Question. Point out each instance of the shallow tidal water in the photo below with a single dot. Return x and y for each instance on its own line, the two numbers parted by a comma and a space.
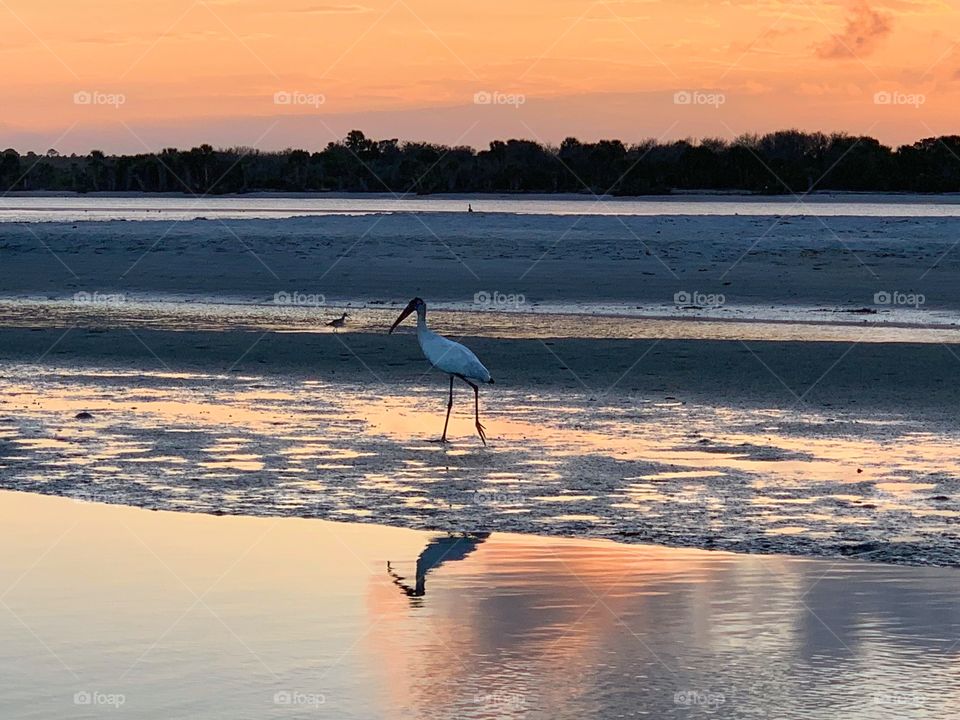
120, 612
64, 208
300, 313
560, 463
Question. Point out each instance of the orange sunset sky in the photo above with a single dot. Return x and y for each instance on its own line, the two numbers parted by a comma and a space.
128, 75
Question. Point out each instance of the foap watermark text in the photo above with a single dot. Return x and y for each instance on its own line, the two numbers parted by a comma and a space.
703, 699
300, 299
296, 97
100, 699
497, 299
485, 97
890, 97
897, 298
95, 97
695, 298
98, 298
501, 701
295, 698
698, 97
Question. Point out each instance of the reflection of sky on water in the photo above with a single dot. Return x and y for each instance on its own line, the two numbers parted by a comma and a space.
760, 480
509, 626
664, 623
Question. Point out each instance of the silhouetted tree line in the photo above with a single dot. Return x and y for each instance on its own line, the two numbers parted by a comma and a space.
781, 162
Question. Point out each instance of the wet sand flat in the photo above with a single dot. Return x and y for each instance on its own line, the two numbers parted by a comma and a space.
807, 448
800, 415
120, 611
751, 260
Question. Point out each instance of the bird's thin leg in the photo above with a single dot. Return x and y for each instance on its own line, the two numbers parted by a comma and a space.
443, 438
476, 405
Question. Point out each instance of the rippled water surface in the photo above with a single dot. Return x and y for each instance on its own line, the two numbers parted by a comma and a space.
657, 471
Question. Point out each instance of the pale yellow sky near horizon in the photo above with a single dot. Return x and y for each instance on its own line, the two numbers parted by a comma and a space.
126, 75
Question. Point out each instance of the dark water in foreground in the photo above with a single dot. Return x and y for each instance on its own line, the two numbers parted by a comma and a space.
117, 612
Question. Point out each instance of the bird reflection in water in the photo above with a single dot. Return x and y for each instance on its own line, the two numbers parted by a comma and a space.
441, 549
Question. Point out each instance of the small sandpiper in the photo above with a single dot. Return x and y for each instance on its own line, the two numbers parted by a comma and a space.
338, 322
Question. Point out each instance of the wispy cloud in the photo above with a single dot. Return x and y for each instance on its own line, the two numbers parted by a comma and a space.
865, 29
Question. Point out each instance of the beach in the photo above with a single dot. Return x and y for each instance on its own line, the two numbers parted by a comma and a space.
113, 611
705, 431
757, 261
188, 366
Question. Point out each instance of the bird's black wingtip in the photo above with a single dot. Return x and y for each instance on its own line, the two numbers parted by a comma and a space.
491, 381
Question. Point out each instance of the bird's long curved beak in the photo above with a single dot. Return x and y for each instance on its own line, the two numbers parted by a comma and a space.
403, 316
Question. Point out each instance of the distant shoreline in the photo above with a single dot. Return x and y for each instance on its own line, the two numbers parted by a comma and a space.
781, 163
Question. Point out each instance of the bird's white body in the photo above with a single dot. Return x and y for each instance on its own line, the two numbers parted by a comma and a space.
449, 356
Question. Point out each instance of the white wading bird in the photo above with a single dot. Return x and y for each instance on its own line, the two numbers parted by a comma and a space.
450, 357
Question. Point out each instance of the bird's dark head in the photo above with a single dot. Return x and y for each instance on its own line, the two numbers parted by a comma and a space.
416, 305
